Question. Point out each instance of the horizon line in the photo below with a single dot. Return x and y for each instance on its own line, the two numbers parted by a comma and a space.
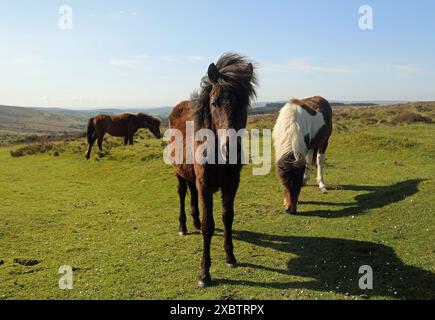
89, 108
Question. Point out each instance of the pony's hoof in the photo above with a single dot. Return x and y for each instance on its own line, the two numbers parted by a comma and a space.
182, 230
202, 284
231, 261
324, 190
197, 226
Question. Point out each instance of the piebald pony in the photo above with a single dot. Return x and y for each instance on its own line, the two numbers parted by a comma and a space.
301, 136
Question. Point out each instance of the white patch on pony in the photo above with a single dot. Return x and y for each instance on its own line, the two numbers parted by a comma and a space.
293, 125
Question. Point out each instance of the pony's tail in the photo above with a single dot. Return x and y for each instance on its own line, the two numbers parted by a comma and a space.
91, 130
298, 143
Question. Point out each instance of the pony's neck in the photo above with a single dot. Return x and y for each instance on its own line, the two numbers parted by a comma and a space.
144, 125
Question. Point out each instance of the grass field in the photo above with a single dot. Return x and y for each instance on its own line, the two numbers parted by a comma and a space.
115, 220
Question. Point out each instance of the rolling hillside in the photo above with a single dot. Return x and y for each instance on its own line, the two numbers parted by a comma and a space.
17, 120
43, 121
55, 121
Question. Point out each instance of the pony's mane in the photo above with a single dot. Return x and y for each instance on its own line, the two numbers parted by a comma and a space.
232, 78
149, 117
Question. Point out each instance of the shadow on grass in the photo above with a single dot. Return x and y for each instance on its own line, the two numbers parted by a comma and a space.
377, 197
332, 265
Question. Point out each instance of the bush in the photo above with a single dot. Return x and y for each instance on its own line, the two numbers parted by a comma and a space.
37, 148
32, 149
409, 118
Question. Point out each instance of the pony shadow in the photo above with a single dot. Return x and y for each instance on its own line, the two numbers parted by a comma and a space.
377, 197
332, 265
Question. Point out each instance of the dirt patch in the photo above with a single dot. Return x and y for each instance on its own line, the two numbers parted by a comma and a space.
370, 121
26, 262
339, 127
367, 115
409, 118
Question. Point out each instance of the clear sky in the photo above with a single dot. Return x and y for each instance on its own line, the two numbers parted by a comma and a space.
147, 53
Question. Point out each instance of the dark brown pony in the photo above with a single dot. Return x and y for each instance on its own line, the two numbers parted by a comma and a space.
222, 103
123, 125
301, 137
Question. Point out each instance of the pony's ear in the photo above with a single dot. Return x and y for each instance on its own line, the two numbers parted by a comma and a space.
213, 73
251, 70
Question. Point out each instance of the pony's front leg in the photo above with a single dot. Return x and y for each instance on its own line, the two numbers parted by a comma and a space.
207, 228
228, 196
320, 178
132, 129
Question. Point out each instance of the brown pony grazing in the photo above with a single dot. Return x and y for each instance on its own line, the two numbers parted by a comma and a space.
123, 125
301, 136
222, 103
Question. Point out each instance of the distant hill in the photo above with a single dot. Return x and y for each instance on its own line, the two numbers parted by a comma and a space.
160, 112
38, 121
17, 120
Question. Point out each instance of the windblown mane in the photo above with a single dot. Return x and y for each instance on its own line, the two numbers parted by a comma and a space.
232, 79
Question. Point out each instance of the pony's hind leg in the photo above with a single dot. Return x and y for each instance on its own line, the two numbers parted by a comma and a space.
100, 143
320, 178
194, 205
309, 161
182, 191
88, 154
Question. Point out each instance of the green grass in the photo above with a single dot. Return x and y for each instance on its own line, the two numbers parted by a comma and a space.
115, 220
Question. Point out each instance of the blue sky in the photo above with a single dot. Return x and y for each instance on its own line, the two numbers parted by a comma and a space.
153, 53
